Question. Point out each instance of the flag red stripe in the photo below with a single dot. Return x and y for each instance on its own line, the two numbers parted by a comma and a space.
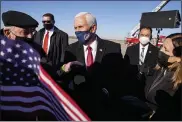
65, 95
62, 102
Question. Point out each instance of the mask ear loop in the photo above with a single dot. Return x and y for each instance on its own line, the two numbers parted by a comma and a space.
91, 32
12, 33
91, 28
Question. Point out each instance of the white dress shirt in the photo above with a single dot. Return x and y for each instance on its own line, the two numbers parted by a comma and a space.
93, 45
50, 34
145, 52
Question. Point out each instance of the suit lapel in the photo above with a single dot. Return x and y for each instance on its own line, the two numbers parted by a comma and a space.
80, 53
100, 50
148, 55
137, 53
53, 40
42, 36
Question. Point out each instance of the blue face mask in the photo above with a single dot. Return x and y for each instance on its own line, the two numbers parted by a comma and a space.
84, 36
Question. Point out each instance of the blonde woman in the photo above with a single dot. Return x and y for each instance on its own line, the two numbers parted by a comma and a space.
163, 89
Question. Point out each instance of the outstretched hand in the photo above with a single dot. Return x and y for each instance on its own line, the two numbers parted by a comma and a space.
69, 65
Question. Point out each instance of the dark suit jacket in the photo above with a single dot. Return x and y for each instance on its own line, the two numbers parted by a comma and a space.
131, 59
58, 44
132, 55
59, 41
87, 84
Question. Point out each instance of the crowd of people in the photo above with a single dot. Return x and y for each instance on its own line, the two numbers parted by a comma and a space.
144, 84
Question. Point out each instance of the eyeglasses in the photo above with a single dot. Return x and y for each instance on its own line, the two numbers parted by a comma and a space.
24, 32
46, 21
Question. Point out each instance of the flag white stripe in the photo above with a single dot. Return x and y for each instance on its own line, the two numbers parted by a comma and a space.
62, 97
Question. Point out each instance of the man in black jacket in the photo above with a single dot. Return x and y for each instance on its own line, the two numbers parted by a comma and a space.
52, 40
140, 59
92, 69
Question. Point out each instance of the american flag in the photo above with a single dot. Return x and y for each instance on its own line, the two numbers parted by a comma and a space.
27, 88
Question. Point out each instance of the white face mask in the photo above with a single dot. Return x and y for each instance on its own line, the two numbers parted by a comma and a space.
144, 40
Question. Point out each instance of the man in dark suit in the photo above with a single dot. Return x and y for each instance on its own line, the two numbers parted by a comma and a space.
52, 40
140, 59
92, 68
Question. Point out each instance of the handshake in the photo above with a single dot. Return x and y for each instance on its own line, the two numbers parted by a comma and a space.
70, 65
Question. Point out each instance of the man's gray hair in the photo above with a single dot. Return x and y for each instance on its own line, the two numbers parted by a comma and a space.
89, 18
8, 28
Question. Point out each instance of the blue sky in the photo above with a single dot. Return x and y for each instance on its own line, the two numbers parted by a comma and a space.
115, 18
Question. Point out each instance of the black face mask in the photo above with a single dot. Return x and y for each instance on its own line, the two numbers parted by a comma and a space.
48, 26
163, 59
28, 40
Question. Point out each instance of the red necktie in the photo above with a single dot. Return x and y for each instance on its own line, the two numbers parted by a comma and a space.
89, 57
45, 46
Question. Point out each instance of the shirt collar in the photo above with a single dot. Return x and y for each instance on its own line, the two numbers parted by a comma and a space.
51, 30
146, 46
93, 45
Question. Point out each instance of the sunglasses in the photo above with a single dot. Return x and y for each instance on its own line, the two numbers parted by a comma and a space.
46, 21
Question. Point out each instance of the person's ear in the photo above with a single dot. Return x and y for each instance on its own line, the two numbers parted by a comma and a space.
94, 28
53, 22
6, 32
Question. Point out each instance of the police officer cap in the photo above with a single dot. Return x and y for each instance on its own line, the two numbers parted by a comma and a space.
18, 19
